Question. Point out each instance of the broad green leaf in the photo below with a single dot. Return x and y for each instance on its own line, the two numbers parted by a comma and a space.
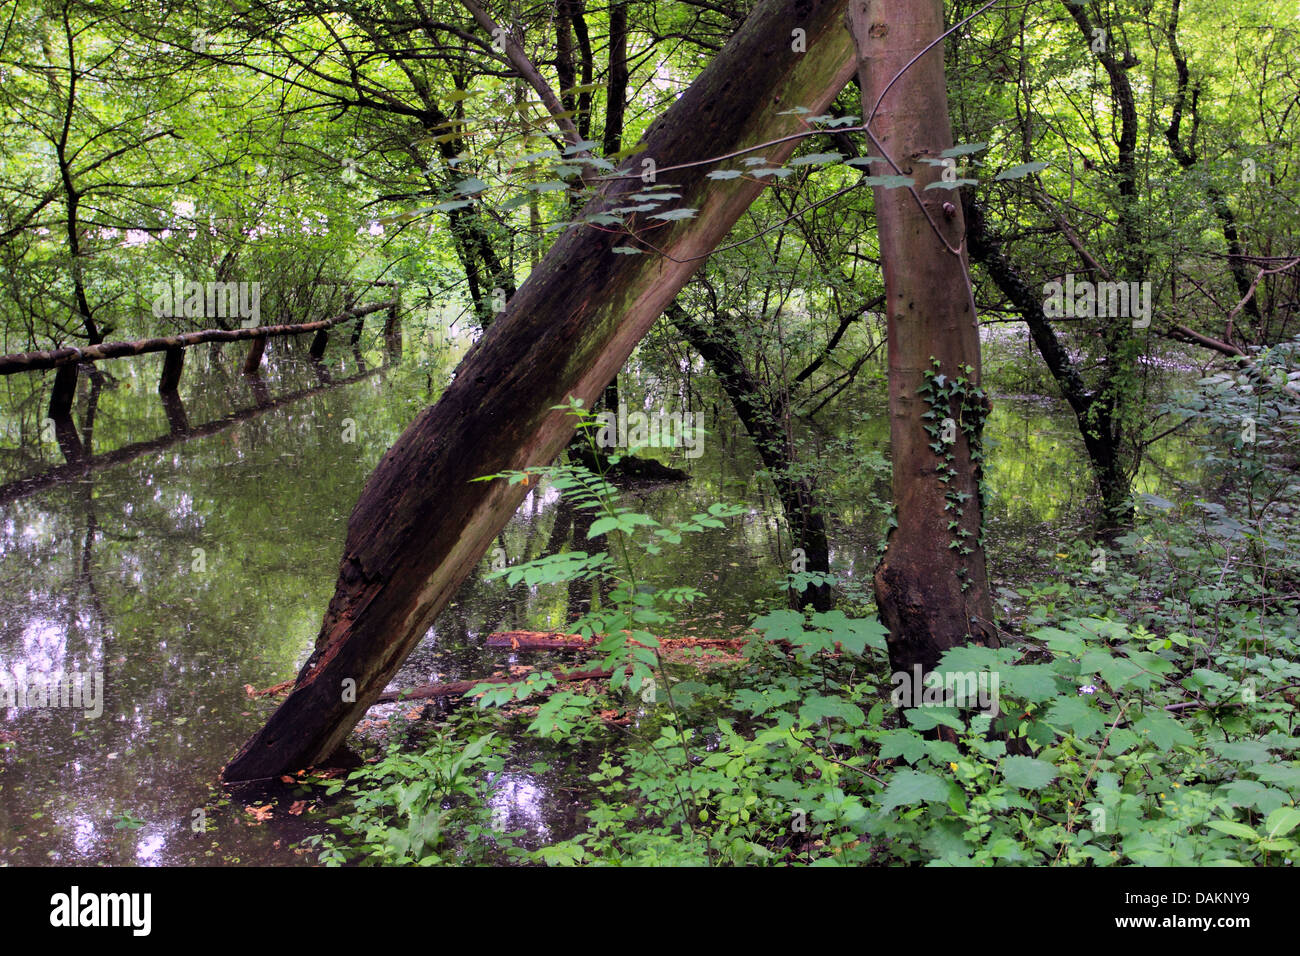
911, 786
1021, 171
963, 150
1233, 828
889, 182
1281, 822
1028, 773
673, 214
813, 159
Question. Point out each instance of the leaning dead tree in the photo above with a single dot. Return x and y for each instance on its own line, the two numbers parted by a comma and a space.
421, 525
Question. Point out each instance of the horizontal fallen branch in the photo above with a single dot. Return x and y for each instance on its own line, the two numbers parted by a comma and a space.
279, 688
554, 641
34, 361
461, 687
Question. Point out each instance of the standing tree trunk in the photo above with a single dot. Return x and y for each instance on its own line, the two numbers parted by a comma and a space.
931, 586
422, 523
801, 501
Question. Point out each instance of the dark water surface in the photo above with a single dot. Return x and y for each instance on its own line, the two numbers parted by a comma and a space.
192, 554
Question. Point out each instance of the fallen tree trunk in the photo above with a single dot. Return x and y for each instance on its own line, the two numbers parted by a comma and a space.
35, 361
86, 465
421, 526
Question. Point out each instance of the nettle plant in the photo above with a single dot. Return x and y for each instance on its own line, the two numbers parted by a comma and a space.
424, 809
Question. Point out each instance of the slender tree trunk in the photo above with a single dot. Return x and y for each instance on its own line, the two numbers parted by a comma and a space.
798, 494
1186, 156
1092, 410
931, 586
423, 523
616, 94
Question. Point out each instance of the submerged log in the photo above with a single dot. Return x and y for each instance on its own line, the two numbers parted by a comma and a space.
422, 523
180, 431
629, 467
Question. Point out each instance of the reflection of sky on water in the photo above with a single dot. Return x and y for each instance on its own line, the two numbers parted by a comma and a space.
519, 802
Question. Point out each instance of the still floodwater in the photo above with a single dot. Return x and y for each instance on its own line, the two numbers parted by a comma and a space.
192, 550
